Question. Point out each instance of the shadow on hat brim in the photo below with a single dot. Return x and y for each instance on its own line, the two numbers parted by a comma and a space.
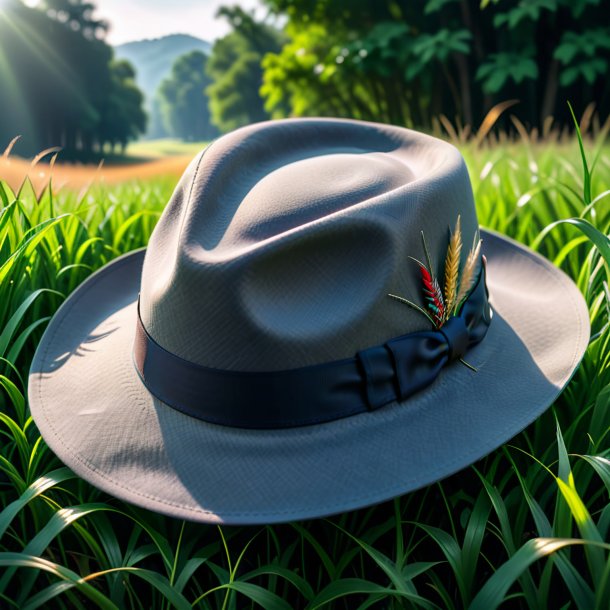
97, 416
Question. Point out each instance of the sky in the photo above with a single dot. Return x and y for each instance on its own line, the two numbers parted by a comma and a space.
138, 19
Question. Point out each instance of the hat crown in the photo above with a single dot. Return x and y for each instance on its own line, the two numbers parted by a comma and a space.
282, 240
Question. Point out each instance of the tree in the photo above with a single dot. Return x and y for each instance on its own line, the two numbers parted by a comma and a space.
183, 100
77, 15
236, 72
59, 83
123, 117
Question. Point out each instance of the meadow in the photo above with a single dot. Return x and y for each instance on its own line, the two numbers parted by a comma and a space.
526, 527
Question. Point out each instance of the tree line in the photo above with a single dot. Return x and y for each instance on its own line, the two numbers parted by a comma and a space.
59, 83
398, 61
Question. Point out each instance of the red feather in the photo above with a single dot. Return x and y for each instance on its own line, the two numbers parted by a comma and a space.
434, 296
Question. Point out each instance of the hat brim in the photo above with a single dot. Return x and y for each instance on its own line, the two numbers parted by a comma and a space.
98, 417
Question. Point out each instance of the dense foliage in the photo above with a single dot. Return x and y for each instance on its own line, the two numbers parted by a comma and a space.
408, 62
184, 103
528, 524
60, 85
235, 70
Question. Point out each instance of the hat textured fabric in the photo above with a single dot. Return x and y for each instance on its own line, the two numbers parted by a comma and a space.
277, 251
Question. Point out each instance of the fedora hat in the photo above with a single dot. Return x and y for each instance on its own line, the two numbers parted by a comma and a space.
317, 324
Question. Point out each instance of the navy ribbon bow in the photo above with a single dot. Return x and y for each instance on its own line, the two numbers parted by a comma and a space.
314, 394
404, 365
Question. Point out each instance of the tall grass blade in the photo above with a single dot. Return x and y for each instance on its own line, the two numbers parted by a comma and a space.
585, 166
20, 341
33, 491
494, 590
600, 416
16, 397
579, 511
266, 599
601, 465
9, 148
58, 522
303, 587
601, 241
342, 588
17, 317
38, 563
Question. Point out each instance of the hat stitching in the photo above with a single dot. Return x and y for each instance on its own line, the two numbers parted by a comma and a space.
86, 464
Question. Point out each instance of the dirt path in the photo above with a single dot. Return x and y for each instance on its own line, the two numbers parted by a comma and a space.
14, 170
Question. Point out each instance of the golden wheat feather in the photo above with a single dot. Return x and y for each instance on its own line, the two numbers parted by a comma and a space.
452, 267
469, 273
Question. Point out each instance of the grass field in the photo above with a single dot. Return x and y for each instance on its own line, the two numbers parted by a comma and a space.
163, 148
526, 527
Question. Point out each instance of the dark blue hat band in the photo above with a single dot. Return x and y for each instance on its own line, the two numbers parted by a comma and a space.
313, 394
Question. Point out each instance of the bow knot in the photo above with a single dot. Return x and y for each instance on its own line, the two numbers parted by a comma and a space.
457, 337
406, 364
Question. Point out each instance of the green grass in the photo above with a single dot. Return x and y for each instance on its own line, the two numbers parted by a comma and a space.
527, 526
162, 148
142, 151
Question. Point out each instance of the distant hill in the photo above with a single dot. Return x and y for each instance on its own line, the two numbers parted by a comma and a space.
153, 58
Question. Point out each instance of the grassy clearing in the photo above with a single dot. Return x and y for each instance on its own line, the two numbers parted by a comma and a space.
528, 525
146, 151
164, 147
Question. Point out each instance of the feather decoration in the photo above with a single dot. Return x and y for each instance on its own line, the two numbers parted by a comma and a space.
426, 252
434, 296
469, 273
452, 267
440, 306
438, 309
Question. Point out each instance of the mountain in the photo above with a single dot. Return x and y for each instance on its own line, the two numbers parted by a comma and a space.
153, 58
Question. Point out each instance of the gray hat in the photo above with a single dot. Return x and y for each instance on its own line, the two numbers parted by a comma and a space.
250, 366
